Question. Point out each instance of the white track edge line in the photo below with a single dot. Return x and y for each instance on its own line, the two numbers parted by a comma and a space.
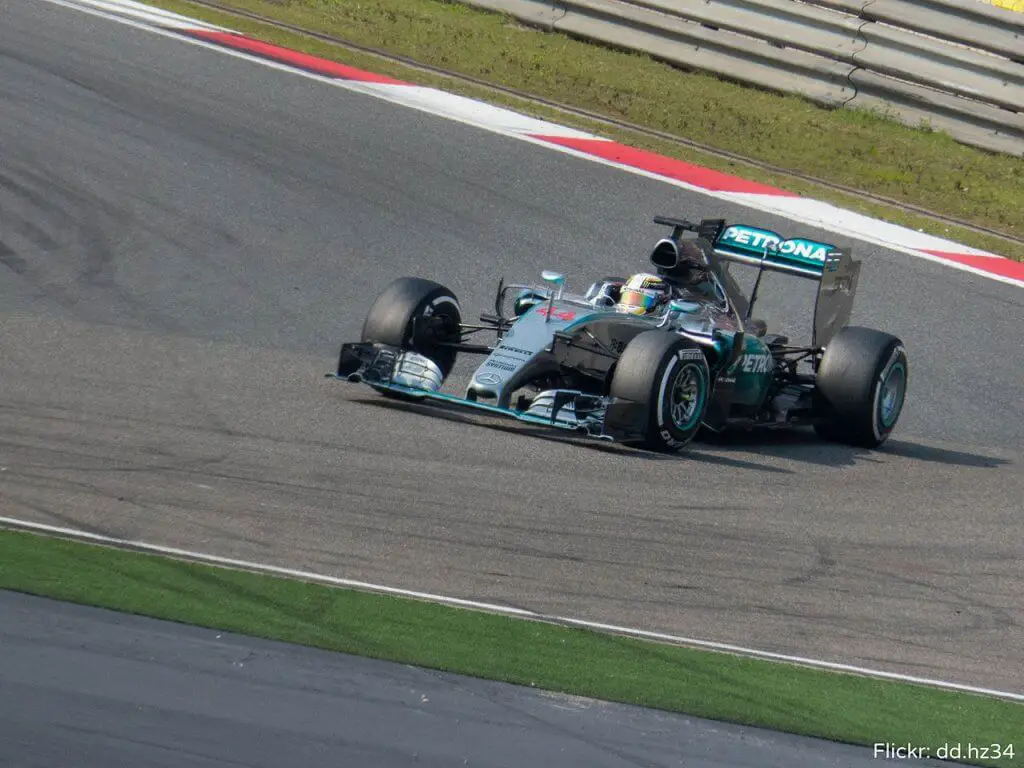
640, 634
361, 87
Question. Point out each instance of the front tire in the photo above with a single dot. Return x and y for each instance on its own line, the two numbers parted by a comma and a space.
861, 387
668, 375
416, 314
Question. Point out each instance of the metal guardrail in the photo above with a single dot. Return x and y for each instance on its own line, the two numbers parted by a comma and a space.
957, 67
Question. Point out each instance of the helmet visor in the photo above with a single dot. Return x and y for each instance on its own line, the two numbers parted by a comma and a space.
637, 300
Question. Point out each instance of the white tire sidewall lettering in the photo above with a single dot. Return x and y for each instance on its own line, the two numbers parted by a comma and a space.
686, 354
666, 376
433, 305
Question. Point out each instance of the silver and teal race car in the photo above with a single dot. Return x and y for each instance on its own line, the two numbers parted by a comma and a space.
698, 360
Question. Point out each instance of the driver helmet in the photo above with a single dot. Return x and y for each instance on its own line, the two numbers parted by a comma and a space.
643, 293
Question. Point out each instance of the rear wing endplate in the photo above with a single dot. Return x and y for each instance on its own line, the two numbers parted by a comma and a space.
836, 291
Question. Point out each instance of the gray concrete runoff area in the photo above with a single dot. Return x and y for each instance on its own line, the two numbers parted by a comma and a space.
92, 688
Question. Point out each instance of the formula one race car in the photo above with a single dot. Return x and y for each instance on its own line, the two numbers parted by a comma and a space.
650, 360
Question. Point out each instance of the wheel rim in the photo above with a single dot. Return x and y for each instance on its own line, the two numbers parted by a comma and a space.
890, 400
686, 396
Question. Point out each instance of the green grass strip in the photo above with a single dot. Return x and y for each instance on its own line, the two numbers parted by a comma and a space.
841, 707
857, 148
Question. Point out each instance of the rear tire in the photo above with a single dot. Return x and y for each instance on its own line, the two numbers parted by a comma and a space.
415, 314
861, 387
669, 375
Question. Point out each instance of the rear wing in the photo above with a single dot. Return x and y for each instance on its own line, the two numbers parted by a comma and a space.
762, 247
833, 268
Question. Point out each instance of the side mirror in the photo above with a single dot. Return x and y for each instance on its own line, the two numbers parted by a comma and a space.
550, 276
677, 307
555, 278
683, 306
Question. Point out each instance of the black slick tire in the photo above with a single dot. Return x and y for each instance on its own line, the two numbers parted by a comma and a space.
415, 314
669, 376
861, 387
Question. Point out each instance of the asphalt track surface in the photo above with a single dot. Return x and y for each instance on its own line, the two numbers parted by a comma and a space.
124, 690
188, 236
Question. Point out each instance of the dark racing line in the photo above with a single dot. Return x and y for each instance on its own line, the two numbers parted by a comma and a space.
652, 359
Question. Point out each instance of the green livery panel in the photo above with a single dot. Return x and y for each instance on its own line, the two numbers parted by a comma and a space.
753, 372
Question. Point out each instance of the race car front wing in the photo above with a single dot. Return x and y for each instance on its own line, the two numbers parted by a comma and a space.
389, 369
